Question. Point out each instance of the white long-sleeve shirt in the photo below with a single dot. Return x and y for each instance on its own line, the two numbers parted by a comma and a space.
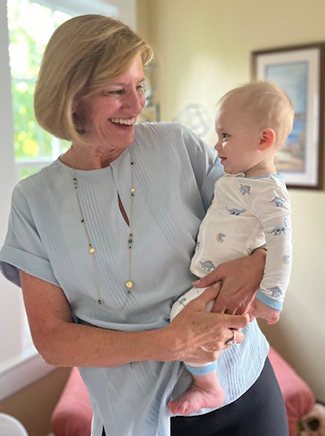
246, 213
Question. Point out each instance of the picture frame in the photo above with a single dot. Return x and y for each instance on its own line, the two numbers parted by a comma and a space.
299, 71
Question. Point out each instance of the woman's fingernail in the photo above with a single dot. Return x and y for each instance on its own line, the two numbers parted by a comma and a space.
196, 282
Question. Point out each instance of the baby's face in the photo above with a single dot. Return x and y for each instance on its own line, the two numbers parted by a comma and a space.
239, 138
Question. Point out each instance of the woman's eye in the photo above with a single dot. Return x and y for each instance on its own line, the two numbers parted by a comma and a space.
117, 92
141, 88
114, 92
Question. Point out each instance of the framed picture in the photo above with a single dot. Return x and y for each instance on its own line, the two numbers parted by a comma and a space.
299, 71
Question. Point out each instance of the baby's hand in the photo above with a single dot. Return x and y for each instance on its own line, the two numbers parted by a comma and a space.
261, 310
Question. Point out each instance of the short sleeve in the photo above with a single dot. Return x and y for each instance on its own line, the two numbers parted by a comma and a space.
205, 163
23, 248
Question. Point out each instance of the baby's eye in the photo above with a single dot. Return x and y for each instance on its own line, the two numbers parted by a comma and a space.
224, 136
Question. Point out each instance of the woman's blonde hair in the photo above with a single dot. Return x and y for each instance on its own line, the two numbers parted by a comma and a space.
82, 55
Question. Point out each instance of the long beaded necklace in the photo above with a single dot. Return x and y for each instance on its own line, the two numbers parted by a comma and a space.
129, 284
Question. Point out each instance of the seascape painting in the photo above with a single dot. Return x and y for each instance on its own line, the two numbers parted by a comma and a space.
292, 78
299, 71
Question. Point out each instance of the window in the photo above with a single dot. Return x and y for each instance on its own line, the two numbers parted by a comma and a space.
25, 26
30, 27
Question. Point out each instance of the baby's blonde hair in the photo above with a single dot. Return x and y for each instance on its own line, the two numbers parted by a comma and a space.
269, 105
83, 54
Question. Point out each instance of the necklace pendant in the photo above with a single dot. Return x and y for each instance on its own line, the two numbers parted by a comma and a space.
100, 301
132, 192
91, 249
129, 285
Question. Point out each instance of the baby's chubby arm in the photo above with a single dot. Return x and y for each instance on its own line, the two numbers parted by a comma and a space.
273, 210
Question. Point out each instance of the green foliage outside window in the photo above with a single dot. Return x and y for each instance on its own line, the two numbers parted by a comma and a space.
30, 27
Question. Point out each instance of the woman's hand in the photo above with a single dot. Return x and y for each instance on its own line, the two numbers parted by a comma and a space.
240, 281
195, 335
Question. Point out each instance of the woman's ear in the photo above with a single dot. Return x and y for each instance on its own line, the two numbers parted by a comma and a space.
267, 139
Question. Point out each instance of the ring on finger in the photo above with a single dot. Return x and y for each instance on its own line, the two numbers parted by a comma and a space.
233, 340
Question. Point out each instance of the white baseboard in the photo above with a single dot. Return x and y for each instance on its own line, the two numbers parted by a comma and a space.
22, 372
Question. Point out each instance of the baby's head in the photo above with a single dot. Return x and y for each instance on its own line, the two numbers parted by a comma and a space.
253, 122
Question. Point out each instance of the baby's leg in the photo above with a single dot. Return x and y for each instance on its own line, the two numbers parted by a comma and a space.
205, 391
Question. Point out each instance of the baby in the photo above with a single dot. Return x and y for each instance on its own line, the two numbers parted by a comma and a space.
251, 207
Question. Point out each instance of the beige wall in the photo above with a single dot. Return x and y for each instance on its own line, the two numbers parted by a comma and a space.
203, 49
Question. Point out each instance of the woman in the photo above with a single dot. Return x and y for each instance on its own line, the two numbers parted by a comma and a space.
100, 242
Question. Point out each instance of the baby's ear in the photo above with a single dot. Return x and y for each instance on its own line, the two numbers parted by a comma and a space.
267, 139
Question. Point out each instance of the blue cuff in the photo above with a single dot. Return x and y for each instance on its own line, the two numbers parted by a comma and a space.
202, 370
274, 304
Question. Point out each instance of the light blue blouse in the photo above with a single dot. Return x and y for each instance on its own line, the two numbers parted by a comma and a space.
175, 174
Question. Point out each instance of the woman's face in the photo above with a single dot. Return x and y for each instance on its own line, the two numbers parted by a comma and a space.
108, 117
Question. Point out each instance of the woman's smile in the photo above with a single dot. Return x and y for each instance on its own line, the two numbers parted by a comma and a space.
127, 122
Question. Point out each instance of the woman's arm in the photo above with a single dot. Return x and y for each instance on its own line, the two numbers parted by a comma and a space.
240, 281
63, 343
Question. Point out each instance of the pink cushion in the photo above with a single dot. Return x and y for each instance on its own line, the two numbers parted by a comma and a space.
297, 395
72, 414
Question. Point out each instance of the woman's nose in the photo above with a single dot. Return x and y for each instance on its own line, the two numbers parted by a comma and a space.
135, 101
